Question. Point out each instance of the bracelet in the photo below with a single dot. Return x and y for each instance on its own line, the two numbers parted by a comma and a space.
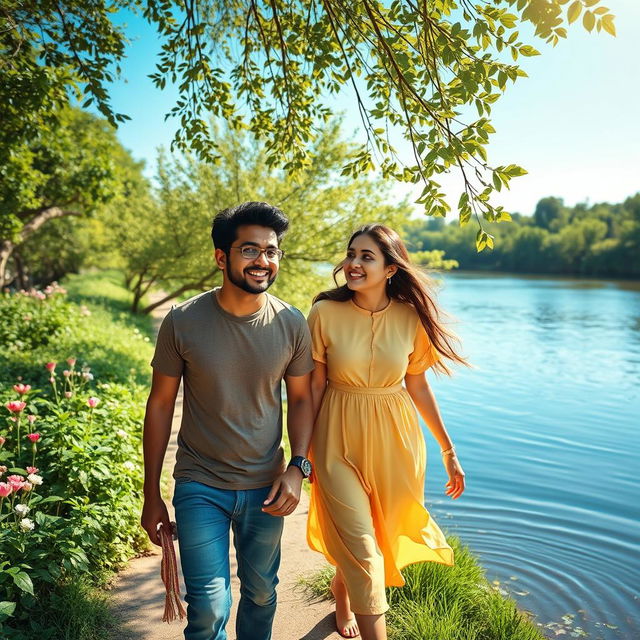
451, 451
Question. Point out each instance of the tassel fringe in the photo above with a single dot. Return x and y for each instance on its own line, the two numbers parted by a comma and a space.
169, 572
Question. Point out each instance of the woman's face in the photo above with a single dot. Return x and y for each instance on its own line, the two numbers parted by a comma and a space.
364, 267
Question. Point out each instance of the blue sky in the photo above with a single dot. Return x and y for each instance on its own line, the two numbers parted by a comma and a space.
573, 124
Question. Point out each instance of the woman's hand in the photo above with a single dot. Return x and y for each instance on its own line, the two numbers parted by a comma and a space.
456, 484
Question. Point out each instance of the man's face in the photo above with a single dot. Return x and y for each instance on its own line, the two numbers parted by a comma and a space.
253, 275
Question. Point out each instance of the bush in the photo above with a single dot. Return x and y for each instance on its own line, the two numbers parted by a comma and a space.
40, 326
32, 319
70, 487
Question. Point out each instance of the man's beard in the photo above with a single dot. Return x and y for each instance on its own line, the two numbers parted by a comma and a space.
241, 283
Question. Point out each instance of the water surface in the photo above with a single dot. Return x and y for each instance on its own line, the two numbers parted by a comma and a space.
546, 427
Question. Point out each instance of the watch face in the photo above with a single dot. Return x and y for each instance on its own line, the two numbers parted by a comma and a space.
305, 466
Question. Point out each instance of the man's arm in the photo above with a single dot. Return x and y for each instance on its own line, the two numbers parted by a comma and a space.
157, 429
299, 428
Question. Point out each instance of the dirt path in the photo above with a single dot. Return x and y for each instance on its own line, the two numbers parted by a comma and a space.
138, 594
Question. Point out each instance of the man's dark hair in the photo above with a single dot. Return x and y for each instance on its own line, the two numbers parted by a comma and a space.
225, 224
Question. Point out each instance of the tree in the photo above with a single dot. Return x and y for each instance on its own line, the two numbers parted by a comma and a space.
167, 244
67, 171
415, 70
549, 211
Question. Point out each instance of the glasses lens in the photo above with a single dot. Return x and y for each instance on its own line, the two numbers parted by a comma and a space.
273, 254
250, 252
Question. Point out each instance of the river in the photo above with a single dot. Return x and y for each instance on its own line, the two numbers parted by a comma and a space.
546, 426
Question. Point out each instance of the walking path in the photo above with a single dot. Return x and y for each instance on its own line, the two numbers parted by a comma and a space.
138, 594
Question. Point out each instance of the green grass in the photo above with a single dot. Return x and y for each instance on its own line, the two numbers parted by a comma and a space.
444, 603
83, 613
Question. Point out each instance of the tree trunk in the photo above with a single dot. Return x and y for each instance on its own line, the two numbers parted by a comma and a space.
21, 275
6, 249
35, 219
174, 294
170, 296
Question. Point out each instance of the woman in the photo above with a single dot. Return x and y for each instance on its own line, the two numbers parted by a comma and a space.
366, 514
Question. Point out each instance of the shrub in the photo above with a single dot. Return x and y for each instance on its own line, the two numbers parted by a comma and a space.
32, 319
45, 325
70, 485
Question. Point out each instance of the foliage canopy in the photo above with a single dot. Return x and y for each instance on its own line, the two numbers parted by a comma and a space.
421, 73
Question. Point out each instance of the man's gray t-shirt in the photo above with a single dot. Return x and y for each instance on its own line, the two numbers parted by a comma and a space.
232, 369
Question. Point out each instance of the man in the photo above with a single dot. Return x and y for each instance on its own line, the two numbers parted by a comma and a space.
232, 346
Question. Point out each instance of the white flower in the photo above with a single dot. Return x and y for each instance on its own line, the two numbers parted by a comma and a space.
87, 376
26, 524
129, 465
121, 433
34, 478
21, 509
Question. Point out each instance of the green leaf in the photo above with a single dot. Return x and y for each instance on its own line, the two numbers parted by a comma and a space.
7, 608
528, 50
588, 20
607, 24
574, 11
23, 582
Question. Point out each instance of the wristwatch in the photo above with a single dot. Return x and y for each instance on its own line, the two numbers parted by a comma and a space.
302, 463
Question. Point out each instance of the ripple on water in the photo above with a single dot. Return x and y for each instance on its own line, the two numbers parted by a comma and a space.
547, 429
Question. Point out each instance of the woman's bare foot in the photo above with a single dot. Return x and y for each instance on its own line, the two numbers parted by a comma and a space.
345, 620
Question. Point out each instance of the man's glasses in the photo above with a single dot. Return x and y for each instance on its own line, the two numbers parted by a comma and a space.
252, 253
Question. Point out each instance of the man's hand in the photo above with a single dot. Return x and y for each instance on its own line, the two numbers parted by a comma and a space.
286, 492
154, 512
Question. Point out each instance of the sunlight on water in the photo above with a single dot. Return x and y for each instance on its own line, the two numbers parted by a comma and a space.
546, 427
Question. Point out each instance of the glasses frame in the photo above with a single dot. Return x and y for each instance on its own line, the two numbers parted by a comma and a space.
279, 252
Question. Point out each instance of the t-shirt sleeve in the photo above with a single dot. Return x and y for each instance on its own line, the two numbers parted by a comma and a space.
167, 359
424, 354
318, 345
301, 361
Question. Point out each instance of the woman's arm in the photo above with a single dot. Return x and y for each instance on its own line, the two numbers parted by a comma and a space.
425, 402
318, 385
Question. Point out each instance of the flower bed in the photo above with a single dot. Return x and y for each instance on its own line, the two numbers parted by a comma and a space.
70, 465
70, 478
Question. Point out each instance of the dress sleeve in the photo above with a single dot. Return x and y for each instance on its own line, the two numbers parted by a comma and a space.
166, 359
318, 344
424, 355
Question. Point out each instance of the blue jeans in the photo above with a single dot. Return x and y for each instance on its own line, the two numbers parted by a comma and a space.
204, 516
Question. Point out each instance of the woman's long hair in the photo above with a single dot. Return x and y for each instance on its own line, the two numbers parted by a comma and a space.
409, 285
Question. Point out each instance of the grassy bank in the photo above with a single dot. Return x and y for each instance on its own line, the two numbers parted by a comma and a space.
445, 603
65, 532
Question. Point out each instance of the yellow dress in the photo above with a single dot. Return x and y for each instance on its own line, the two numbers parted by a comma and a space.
366, 513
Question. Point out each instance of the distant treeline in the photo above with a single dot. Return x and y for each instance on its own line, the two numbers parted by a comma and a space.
601, 240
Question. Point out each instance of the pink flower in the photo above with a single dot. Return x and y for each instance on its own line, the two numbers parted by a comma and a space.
66, 373
2, 441
5, 489
32, 418
93, 402
32, 469
16, 406
22, 388
68, 394
71, 361
51, 366
34, 437
16, 482
26, 486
